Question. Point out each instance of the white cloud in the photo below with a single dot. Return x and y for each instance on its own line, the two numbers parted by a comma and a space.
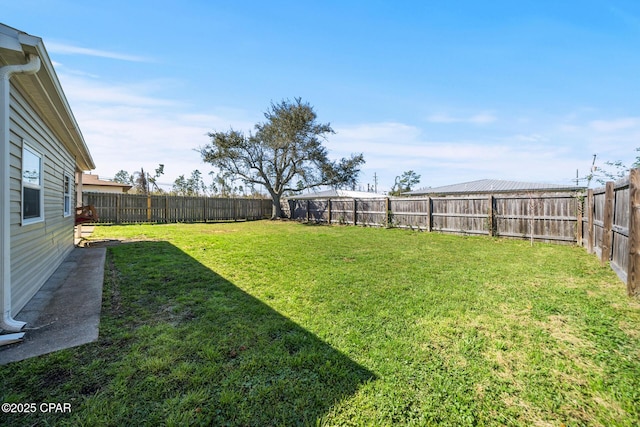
610, 139
66, 49
95, 92
533, 137
135, 125
441, 118
391, 148
482, 118
615, 125
385, 132
476, 119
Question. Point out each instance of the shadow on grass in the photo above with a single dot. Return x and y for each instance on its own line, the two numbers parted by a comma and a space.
193, 348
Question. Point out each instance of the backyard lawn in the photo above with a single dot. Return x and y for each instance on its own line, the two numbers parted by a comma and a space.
279, 324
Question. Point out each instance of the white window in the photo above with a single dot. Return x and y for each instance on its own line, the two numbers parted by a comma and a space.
66, 192
32, 186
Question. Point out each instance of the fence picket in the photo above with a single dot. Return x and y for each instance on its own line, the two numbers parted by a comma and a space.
120, 208
633, 275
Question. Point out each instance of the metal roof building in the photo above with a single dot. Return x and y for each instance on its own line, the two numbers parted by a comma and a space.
336, 194
488, 186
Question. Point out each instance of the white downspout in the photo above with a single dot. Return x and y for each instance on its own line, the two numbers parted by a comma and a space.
7, 322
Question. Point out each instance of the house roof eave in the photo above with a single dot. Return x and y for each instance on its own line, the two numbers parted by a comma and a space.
46, 93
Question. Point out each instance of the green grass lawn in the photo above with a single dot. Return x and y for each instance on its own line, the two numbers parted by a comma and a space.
278, 323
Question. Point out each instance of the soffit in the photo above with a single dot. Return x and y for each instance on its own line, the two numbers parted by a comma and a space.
45, 94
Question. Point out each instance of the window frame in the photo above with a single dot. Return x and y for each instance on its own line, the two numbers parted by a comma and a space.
67, 191
28, 185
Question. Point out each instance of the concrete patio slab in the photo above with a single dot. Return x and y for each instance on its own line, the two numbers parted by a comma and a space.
66, 310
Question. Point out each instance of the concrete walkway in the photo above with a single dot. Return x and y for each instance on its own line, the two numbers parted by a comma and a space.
66, 310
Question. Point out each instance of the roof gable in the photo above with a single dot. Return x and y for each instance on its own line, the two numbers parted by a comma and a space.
44, 91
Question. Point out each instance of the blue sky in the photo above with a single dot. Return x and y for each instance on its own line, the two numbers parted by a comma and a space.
454, 90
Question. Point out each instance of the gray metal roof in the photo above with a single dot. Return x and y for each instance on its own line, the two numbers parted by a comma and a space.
491, 186
337, 194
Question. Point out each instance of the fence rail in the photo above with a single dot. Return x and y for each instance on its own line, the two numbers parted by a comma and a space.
542, 217
121, 208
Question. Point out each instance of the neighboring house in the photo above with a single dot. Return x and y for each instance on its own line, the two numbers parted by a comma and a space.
94, 184
492, 186
42, 157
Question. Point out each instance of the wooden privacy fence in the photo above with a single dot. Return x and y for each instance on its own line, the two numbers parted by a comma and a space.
610, 227
541, 217
121, 208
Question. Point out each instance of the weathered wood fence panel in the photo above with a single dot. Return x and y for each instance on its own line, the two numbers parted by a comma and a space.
620, 230
464, 215
610, 209
598, 220
633, 275
550, 217
372, 212
413, 213
124, 208
342, 211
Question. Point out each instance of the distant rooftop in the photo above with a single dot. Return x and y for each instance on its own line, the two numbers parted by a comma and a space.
337, 194
90, 179
492, 186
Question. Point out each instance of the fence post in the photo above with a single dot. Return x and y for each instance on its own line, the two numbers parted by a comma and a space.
607, 232
204, 209
429, 214
388, 213
579, 225
355, 212
235, 210
166, 209
633, 276
308, 216
118, 207
148, 208
590, 225
329, 210
491, 216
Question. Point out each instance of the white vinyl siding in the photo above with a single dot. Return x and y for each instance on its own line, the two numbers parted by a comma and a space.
37, 248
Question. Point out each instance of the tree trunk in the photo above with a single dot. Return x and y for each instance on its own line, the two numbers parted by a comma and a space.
276, 212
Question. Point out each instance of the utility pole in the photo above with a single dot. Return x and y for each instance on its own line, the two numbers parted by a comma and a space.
592, 172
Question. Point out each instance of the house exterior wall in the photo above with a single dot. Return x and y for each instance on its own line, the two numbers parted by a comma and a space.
38, 248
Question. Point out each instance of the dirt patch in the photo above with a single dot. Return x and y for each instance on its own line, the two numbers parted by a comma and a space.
220, 231
560, 329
